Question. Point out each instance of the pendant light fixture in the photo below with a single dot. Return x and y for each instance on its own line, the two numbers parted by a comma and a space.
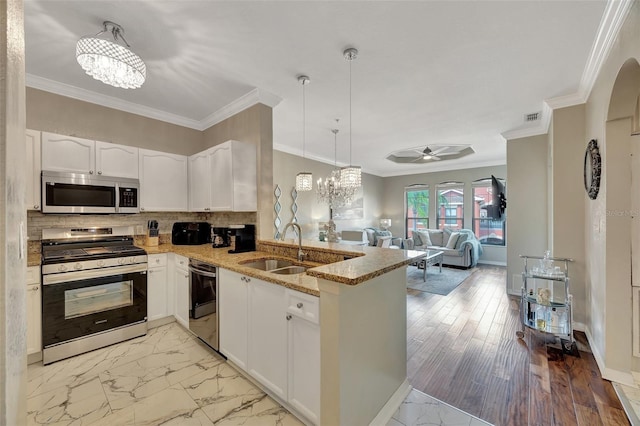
350, 176
109, 62
304, 180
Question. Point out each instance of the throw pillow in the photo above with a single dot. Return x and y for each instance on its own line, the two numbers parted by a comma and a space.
416, 238
371, 236
446, 234
426, 239
453, 239
461, 239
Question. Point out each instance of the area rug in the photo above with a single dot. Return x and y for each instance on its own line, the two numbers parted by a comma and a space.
437, 283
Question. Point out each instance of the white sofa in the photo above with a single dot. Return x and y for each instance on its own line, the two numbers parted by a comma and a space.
463, 253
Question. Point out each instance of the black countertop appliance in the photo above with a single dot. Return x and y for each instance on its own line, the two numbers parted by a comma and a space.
219, 237
242, 238
190, 233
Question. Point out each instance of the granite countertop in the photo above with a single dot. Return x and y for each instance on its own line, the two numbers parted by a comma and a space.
364, 263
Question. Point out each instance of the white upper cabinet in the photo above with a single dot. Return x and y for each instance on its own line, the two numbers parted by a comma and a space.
32, 200
116, 160
70, 154
199, 182
67, 154
163, 181
233, 177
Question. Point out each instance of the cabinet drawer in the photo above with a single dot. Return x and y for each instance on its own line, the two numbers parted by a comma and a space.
182, 262
33, 275
156, 260
303, 305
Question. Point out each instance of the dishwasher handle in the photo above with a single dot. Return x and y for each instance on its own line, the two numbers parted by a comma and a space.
202, 272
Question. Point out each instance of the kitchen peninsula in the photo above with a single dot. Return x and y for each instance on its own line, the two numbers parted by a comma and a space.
362, 319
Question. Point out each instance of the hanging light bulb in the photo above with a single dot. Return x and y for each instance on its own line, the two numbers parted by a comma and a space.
350, 176
304, 180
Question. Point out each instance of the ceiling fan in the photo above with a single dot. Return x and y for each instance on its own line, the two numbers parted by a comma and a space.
428, 154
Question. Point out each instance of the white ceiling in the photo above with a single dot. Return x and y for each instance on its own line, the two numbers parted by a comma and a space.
429, 72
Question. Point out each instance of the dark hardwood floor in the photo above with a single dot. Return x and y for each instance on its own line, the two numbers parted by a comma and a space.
463, 350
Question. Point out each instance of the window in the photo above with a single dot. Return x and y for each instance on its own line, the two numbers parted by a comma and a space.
488, 229
416, 209
450, 212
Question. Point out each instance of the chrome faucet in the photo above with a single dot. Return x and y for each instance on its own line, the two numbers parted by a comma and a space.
295, 226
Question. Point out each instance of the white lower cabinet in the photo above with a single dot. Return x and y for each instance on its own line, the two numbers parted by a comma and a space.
233, 305
304, 355
273, 334
34, 310
157, 287
267, 359
181, 287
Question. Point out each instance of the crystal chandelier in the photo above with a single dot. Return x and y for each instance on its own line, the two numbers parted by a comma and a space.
109, 62
330, 190
304, 180
350, 176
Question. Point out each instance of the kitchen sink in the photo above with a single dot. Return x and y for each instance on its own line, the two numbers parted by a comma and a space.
268, 264
289, 270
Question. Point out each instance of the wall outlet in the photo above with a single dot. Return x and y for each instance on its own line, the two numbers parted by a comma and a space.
139, 230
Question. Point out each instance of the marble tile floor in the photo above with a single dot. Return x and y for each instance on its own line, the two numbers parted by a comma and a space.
169, 377
630, 399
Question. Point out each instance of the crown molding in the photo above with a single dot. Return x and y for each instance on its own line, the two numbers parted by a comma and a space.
444, 168
254, 97
613, 18
108, 101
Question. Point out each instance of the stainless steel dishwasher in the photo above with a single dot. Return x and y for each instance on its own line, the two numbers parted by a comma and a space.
203, 302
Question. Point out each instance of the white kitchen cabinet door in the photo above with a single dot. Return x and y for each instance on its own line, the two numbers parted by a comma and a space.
181, 310
199, 182
233, 304
34, 167
163, 181
157, 283
233, 177
221, 178
116, 160
268, 335
34, 310
304, 367
67, 154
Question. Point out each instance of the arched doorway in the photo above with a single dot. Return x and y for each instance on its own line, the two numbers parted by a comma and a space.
621, 178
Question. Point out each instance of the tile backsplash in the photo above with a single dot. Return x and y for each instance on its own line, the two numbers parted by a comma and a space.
37, 221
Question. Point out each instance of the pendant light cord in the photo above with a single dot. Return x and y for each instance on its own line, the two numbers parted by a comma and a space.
350, 116
304, 122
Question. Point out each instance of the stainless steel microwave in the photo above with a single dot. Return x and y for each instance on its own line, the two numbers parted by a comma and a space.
81, 193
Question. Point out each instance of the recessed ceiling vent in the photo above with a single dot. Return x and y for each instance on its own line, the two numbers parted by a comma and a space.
431, 153
534, 116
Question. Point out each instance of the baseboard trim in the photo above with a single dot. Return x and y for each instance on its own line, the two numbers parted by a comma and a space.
626, 404
608, 373
492, 262
578, 326
392, 405
161, 321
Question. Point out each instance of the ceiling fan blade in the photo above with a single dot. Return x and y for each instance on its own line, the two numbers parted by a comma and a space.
438, 151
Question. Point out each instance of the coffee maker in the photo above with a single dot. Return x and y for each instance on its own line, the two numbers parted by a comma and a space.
219, 237
242, 238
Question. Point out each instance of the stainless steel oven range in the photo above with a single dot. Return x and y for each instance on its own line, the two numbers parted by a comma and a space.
94, 290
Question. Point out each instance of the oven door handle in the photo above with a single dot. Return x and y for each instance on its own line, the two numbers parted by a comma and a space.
92, 273
201, 272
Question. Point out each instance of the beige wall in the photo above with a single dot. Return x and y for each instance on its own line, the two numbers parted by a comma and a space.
310, 212
393, 204
13, 346
608, 294
66, 116
255, 125
526, 204
568, 198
